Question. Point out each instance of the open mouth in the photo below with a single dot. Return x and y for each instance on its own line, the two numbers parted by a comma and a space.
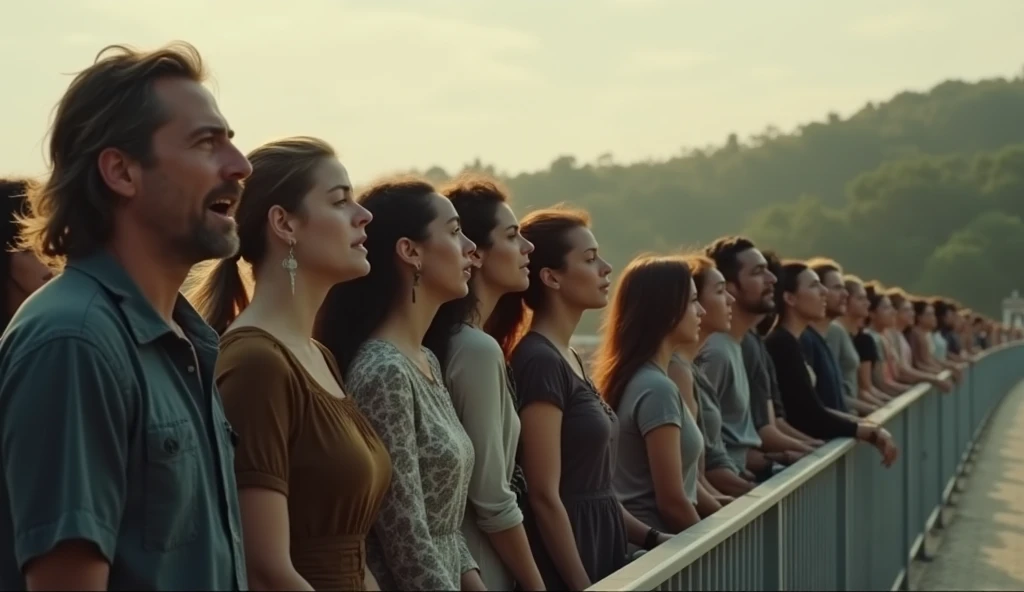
223, 206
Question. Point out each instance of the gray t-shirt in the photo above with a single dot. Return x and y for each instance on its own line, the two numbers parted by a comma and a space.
651, 400
709, 419
841, 344
721, 360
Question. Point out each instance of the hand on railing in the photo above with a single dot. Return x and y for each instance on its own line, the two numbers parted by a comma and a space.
944, 385
882, 440
786, 458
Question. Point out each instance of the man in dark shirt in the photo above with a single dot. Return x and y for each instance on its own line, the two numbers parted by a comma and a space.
116, 454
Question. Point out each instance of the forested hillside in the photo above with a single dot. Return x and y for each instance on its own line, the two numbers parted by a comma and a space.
926, 189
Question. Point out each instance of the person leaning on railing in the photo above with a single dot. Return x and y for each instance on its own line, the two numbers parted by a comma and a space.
716, 465
882, 315
654, 311
905, 369
799, 300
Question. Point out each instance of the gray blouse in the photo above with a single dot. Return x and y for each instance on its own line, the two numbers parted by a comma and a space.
481, 393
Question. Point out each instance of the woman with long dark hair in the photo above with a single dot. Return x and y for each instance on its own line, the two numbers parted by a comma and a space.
22, 271
800, 298
654, 311
578, 530
482, 391
310, 469
374, 325
720, 476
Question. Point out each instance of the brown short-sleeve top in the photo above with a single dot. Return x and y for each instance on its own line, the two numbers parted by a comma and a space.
317, 449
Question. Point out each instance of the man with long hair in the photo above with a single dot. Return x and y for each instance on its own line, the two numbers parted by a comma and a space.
117, 457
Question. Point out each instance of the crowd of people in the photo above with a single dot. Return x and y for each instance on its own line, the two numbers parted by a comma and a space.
378, 391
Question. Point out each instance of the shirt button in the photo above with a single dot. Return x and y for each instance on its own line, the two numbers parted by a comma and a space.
191, 369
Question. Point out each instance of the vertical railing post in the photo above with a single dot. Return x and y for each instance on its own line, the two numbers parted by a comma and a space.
772, 544
907, 474
842, 533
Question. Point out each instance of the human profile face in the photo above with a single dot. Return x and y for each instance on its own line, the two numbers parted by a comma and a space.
330, 227
836, 295
189, 192
505, 264
716, 302
447, 260
905, 314
885, 313
583, 281
688, 329
809, 301
857, 305
754, 290
927, 319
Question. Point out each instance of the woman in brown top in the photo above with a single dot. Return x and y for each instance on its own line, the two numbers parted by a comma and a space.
311, 471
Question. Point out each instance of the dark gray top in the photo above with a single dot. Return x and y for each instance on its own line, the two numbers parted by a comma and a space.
764, 386
588, 455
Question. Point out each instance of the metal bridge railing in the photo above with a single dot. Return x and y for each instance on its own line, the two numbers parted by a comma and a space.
837, 519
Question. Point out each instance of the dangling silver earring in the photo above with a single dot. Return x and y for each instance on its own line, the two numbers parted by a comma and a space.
290, 264
415, 282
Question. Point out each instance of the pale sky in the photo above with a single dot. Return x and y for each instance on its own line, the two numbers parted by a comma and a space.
396, 84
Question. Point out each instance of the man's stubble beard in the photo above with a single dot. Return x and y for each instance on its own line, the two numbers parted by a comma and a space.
204, 243
198, 242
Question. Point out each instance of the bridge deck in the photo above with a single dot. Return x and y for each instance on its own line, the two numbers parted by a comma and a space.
983, 547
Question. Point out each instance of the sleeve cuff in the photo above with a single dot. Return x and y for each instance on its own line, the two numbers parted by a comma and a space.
504, 520
75, 525
246, 479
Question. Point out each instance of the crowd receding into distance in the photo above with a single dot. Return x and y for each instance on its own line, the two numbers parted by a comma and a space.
375, 389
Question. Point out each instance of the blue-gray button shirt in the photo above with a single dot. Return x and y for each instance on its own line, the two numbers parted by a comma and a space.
112, 431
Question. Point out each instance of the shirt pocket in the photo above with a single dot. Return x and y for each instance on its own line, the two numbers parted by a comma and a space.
172, 485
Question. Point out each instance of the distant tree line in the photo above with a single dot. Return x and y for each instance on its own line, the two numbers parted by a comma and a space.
925, 191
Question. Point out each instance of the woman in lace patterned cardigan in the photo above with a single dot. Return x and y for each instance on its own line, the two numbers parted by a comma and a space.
375, 325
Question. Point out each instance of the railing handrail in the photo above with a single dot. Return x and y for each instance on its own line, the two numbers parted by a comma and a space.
659, 564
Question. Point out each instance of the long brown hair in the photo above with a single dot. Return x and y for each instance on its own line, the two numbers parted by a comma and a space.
547, 229
111, 104
282, 175
650, 300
